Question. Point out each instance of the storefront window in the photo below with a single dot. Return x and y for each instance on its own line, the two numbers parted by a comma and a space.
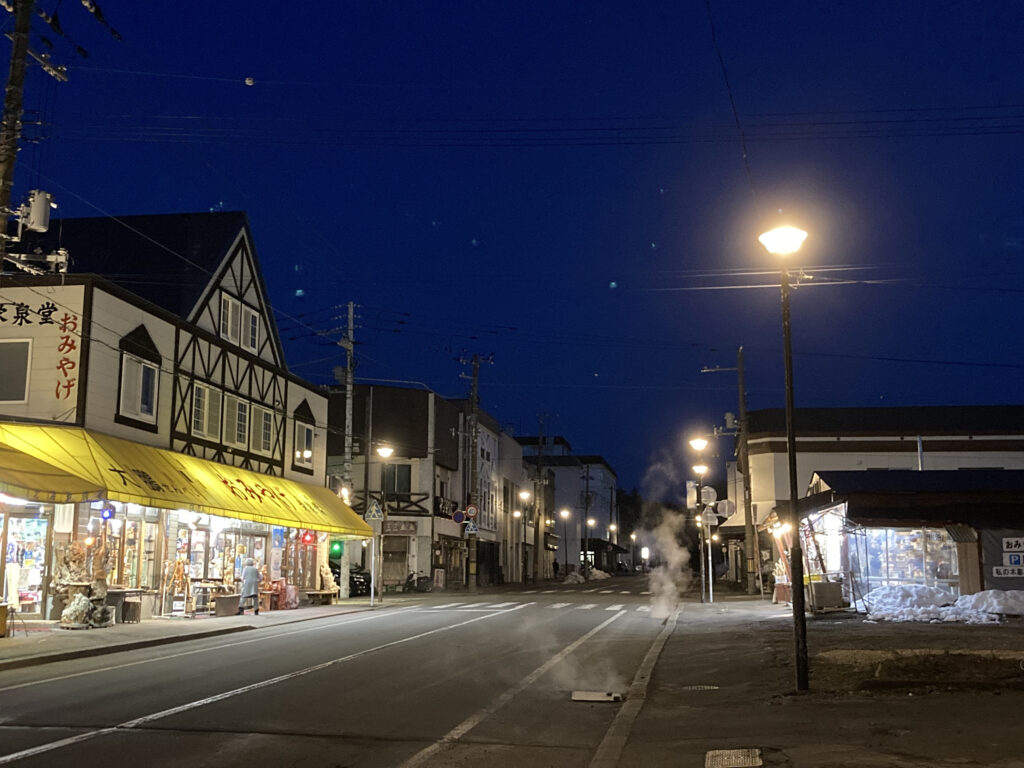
25, 563
891, 556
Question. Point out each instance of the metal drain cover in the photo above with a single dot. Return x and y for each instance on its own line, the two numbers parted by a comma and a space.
596, 696
733, 758
700, 687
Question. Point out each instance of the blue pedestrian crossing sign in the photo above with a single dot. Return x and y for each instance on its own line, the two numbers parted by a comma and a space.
471, 527
374, 512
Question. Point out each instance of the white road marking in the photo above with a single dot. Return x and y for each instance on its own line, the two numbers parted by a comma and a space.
591, 590
607, 591
145, 719
586, 606
625, 592
529, 591
445, 605
502, 605
261, 638
549, 591
614, 608
645, 593
644, 608
474, 720
559, 605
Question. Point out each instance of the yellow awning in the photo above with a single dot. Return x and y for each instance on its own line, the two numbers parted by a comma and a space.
63, 465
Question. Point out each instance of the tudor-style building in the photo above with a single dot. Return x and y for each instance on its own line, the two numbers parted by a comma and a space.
160, 343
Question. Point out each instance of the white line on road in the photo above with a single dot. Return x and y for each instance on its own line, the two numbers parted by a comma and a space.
614, 608
474, 720
232, 644
559, 605
128, 724
644, 608
529, 591
591, 590
502, 605
607, 591
586, 606
445, 605
625, 592
549, 591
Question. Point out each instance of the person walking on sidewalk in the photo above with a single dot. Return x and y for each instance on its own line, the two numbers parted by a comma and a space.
250, 586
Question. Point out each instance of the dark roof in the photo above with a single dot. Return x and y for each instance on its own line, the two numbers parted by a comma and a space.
168, 259
975, 481
910, 420
534, 440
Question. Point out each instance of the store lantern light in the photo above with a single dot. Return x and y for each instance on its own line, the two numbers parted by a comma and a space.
89, 541
308, 537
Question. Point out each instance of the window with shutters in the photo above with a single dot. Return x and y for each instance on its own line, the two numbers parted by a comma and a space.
250, 329
139, 384
230, 318
263, 430
206, 407
236, 422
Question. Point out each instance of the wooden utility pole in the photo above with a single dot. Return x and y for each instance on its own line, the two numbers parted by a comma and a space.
10, 123
474, 467
348, 344
750, 537
539, 523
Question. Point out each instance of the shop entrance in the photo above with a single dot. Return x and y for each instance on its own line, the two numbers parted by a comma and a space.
26, 542
396, 559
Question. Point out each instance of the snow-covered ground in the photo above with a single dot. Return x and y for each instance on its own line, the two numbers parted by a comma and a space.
920, 603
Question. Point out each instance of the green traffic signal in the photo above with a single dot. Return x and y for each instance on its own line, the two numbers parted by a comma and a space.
337, 547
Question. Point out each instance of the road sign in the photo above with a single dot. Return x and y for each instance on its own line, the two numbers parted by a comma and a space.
471, 527
471, 511
459, 516
375, 512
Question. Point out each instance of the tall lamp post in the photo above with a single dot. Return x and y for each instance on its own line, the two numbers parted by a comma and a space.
784, 241
612, 528
700, 470
632, 552
591, 522
564, 514
384, 451
524, 496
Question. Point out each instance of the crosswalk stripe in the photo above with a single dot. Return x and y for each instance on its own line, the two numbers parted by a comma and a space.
549, 591
502, 605
529, 591
614, 608
625, 592
645, 593
586, 606
446, 605
591, 590
644, 608
607, 591
560, 605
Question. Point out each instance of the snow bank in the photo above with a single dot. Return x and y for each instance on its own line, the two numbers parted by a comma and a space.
920, 603
598, 575
574, 578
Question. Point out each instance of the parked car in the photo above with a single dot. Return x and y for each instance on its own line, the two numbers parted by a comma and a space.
358, 579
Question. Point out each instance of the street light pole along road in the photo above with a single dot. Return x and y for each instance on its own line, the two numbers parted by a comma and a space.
784, 241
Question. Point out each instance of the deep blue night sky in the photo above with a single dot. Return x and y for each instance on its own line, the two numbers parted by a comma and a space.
563, 185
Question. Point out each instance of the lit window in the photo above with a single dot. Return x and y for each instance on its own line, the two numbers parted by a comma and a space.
139, 381
303, 444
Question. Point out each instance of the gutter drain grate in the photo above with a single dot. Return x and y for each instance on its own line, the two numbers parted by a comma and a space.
700, 687
733, 758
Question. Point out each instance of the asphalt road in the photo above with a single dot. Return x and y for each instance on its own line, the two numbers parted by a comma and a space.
446, 680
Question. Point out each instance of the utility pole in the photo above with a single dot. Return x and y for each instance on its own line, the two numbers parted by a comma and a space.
10, 124
750, 537
348, 344
474, 466
540, 522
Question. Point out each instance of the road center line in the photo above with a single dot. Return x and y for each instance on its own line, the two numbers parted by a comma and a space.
474, 720
139, 721
232, 644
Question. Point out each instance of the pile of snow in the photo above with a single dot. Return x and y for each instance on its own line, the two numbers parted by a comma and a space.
919, 603
598, 575
574, 578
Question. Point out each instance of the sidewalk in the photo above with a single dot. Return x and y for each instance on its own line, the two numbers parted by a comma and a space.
42, 642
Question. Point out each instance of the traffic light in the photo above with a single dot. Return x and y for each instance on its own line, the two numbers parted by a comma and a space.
337, 547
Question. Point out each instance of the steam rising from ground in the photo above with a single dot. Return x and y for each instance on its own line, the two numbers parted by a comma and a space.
664, 535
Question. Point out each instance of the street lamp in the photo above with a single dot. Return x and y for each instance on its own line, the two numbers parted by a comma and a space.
384, 451
564, 514
783, 241
632, 552
524, 496
700, 470
591, 522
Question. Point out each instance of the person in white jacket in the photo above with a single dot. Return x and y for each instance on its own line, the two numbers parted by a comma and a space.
250, 587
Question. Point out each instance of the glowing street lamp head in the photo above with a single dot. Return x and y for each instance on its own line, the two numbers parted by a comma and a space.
385, 451
517, 514
613, 527
698, 444
524, 495
700, 469
632, 537
591, 522
564, 513
782, 241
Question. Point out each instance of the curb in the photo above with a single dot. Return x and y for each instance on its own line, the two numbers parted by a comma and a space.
102, 650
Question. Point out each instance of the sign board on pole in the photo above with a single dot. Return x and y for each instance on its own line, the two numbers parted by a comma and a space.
471, 511
374, 512
471, 527
459, 516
